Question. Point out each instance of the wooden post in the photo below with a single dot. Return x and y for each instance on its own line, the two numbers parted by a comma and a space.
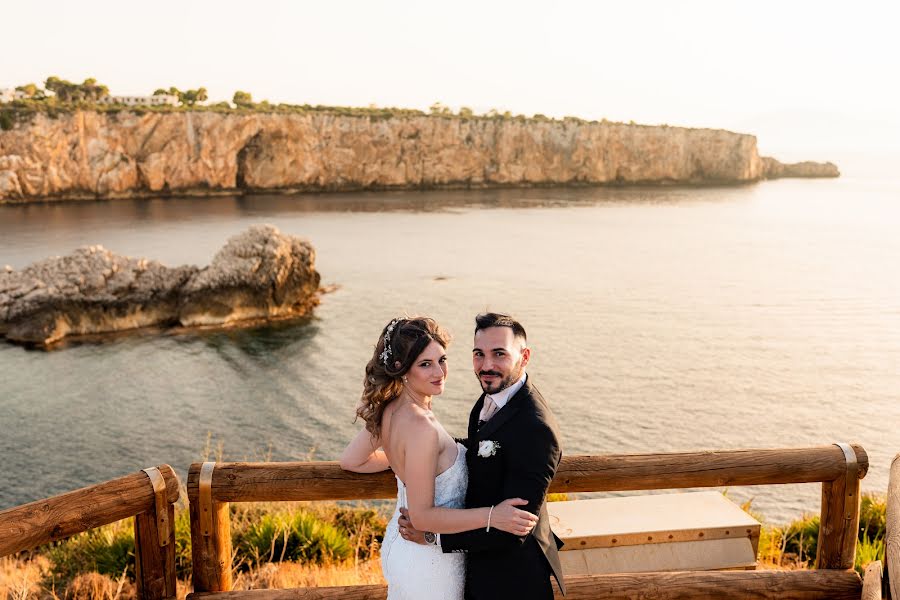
154, 564
839, 522
211, 551
872, 582
892, 537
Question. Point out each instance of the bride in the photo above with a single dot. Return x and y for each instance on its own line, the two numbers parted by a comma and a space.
408, 368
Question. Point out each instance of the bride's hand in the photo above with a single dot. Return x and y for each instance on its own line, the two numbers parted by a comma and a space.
506, 517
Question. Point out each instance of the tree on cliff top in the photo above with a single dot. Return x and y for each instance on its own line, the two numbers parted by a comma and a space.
66, 91
31, 90
186, 97
172, 91
242, 99
438, 108
191, 97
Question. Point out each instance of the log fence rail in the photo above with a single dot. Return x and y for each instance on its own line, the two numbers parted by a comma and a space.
148, 495
839, 467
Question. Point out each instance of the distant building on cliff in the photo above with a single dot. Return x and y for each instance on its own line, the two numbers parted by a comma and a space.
155, 100
10, 94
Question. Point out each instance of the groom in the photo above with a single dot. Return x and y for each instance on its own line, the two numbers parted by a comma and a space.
513, 452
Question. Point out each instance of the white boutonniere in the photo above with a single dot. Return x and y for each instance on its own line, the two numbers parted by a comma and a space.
488, 448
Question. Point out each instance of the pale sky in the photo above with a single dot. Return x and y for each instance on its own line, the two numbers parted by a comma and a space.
803, 76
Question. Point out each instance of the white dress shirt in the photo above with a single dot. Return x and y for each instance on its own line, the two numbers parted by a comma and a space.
503, 396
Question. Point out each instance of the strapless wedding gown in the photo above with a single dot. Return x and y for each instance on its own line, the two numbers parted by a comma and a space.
423, 572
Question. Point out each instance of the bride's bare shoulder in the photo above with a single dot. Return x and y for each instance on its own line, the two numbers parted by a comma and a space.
412, 421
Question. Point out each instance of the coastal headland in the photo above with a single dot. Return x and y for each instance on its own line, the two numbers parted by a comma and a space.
90, 154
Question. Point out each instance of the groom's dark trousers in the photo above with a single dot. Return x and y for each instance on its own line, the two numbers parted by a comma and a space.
526, 443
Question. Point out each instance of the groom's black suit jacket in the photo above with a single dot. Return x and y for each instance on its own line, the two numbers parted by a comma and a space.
500, 564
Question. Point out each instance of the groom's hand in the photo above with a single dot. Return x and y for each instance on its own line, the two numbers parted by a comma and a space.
407, 531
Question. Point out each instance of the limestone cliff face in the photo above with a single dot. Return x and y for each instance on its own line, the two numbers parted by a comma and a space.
105, 155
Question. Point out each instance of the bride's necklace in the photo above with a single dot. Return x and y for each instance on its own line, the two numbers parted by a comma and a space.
409, 399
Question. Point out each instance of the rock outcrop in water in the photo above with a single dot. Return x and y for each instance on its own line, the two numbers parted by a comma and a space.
774, 169
109, 155
259, 274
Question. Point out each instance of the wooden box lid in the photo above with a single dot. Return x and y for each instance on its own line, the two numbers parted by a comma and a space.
649, 519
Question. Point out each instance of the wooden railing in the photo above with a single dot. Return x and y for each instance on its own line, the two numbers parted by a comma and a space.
147, 495
212, 486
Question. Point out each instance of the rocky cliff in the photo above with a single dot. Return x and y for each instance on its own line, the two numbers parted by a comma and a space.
108, 155
260, 274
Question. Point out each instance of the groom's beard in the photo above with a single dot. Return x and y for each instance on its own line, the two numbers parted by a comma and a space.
500, 384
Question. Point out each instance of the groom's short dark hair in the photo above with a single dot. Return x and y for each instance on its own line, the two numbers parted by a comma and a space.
485, 320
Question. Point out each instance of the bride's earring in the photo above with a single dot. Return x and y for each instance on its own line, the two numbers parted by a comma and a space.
405, 380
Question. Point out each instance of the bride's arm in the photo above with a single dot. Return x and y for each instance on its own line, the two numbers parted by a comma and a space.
420, 466
364, 454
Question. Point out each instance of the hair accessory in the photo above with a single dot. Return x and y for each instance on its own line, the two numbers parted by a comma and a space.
386, 353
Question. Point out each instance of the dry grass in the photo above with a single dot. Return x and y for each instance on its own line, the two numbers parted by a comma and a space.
22, 580
28, 579
94, 586
293, 575
61, 573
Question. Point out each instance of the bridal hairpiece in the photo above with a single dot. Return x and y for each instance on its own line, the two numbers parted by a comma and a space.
386, 353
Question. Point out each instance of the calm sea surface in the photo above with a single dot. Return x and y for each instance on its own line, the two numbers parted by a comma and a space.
661, 319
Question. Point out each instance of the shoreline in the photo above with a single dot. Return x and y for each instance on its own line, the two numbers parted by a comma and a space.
328, 191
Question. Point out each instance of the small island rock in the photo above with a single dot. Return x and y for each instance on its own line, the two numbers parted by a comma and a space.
259, 274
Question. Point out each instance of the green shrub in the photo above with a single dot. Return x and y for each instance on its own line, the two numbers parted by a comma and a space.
364, 527
53, 106
868, 551
872, 515
298, 536
262, 541
183, 559
801, 538
108, 550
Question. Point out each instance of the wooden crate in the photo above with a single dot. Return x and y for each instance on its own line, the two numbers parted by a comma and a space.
663, 532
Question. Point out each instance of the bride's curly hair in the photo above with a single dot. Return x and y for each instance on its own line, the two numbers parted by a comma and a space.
406, 339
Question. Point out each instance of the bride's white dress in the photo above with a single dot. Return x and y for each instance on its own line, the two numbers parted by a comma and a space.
423, 572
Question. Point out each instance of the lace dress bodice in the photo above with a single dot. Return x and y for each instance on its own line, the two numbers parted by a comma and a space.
423, 572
